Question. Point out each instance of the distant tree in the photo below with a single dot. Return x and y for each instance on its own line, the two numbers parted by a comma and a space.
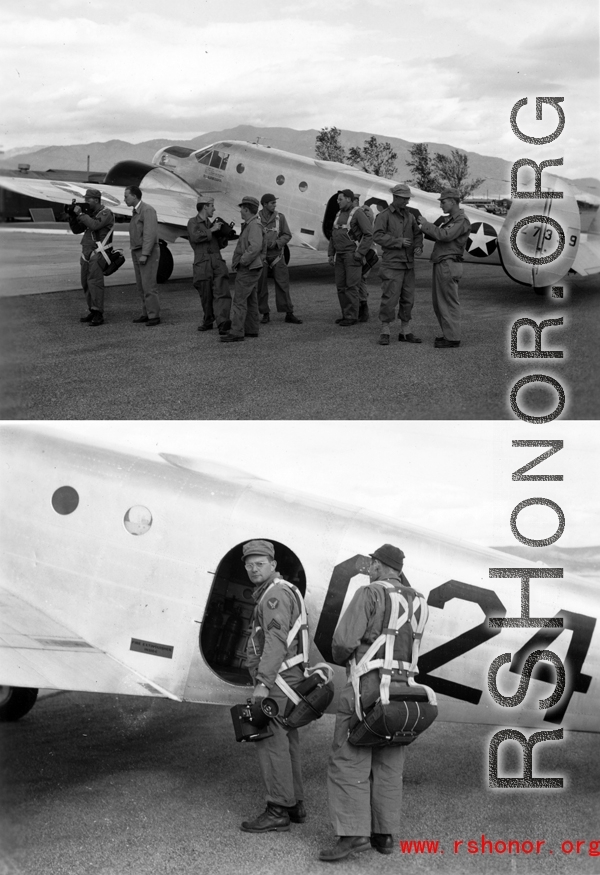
453, 170
374, 157
423, 174
327, 145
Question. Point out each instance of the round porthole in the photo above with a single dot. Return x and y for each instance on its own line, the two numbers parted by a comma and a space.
137, 520
303, 186
240, 168
65, 500
280, 179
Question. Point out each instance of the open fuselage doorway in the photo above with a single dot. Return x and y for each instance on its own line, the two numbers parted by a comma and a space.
227, 619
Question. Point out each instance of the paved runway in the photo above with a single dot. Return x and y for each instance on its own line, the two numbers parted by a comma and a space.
106, 785
56, 368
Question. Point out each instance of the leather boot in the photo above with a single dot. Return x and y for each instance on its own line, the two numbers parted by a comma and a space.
382, 842
297, 812
275, 818
345, 846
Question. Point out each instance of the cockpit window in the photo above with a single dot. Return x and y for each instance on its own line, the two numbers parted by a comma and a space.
178, 151
213, 158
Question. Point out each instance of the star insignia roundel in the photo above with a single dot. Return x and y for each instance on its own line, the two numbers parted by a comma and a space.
482, 241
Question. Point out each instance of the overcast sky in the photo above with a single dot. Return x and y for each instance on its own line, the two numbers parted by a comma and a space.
451, 477
76, 71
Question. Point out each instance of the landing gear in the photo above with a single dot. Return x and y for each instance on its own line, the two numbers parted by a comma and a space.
165, 263
15, 702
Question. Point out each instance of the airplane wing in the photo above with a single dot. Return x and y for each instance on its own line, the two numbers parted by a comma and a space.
172, 198
38, 651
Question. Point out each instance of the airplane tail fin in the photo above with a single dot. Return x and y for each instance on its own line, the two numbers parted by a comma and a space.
538, 228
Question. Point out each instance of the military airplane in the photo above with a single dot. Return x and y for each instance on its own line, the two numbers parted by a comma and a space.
307, 190
121, 573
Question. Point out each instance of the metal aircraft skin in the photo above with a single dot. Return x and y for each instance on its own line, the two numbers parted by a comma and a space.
307, 190
121, 573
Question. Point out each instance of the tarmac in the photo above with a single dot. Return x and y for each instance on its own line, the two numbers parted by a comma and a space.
108, 785
56, 368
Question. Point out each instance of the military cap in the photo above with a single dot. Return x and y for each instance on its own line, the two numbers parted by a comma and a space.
258, 548
267, 198
204, 199
401, 190
347, 192
93, 192
450, 192
390, 556
247, 199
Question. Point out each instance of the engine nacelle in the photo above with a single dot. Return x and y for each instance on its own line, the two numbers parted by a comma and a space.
128, 173
546, 233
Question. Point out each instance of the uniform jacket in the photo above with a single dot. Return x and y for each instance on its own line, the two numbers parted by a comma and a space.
277, 232
275, 613
361, 229
201, 239
102, 221
362, 623
249, 251
450, 237
391, 225
143, 229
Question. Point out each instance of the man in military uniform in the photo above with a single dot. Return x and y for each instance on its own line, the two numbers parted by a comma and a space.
398, 234
247, 262
363, 292
98, 225
351, 239
278, 235
211, 276
364, 784
276, 610
450, 241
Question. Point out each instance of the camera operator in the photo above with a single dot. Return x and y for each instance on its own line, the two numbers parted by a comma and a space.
211, 275
99, 224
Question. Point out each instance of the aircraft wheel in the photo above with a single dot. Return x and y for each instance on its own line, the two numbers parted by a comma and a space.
165, 263
15, 702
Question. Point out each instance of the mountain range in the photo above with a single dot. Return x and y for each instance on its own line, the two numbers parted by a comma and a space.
102, 156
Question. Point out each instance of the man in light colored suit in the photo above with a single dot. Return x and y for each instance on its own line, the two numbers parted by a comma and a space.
145, 253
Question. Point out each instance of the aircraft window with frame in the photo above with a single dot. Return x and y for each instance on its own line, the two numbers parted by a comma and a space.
65, 500
303, 186
240, 168
137, 520
280, 179
226, 625
203, 157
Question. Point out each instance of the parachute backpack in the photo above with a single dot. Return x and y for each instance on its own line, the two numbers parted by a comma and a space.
397, 709
311, 697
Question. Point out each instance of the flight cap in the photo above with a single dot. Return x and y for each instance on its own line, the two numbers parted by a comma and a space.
205, 199
450, 192
389, 555
93, 192
258, 548
267, 198
401, 190
347, 192
247, 199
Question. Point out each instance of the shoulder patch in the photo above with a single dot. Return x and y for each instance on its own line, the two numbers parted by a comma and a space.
273, 603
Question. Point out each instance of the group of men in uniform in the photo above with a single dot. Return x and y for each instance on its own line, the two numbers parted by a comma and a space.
261, 252
364, 784
398, 231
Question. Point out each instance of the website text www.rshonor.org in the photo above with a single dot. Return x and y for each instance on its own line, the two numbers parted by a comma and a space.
508, 846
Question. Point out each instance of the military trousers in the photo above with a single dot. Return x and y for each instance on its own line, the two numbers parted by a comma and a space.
279, 759
397, 290
444, 294
348, 275
281, 278
145, 278
244, 305
92, 282
364, 784
211, 280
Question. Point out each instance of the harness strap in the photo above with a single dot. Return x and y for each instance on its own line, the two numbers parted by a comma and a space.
101, 247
